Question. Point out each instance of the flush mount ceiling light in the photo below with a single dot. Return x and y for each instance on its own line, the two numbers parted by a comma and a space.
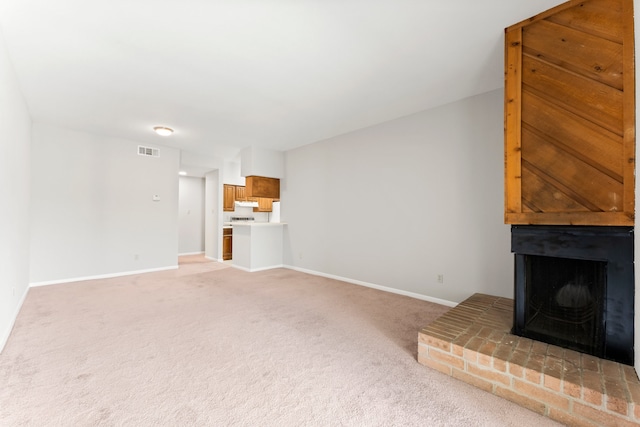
163, 131
183, 173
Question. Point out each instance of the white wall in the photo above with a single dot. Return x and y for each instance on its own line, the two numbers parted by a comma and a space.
261, 162
232, 174
213, 216
397, 204
92, 212
191, 215
15, 141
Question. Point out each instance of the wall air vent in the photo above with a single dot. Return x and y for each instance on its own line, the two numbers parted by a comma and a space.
148, 151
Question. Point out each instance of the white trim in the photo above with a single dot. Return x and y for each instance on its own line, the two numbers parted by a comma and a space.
253, 270
191, 253
101, 276
214, 259
374, 286
5, 336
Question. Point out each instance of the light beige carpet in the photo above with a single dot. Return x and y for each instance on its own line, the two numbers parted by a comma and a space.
208, 345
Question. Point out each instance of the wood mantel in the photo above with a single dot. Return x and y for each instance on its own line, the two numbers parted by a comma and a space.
570, 116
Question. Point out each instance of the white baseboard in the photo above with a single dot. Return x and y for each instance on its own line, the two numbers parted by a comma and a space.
5, 335
101, 276
253, 270
374, 286
191, 253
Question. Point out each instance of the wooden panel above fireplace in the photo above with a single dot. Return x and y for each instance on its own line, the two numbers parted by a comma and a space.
570, 116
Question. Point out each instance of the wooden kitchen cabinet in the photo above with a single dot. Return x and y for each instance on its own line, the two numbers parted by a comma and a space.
260, 186
238, 193
227, 244
264, 205
229, 197
241, 194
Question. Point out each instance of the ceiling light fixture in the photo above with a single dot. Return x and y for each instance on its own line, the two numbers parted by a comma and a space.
183, 173
163, 131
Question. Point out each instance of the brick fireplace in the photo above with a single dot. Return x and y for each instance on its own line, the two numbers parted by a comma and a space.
473, 343
570, 146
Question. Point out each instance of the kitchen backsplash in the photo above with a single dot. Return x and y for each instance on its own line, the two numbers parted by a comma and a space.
246, 212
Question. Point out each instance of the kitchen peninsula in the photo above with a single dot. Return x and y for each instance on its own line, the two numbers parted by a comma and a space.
257, 246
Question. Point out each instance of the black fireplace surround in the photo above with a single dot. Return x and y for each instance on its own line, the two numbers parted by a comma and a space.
574, 287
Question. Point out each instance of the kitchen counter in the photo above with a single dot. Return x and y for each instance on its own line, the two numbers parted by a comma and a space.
257, 224
257, 245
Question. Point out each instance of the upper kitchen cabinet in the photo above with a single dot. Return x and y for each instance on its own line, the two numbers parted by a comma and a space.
229, 197
264, 205
260, 186
570, 116
241, 194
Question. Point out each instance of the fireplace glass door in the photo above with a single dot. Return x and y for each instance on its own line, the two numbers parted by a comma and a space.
574, 287
565, 302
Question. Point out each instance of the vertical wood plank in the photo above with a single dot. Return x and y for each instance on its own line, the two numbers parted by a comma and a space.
512, 119
629, 109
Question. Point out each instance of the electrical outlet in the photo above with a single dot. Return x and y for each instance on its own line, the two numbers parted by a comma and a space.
440, 278
300, 255
136, 257
13, 292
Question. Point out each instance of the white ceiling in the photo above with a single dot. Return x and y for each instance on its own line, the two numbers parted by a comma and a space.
269, 73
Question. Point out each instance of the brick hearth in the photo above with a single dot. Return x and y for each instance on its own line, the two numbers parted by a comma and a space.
472, 343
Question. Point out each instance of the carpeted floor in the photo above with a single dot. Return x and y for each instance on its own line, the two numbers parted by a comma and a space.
208, 345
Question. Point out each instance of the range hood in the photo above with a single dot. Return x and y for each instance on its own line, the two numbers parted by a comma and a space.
246, 204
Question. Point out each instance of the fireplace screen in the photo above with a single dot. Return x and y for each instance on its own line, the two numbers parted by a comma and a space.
574, 288
565, 302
